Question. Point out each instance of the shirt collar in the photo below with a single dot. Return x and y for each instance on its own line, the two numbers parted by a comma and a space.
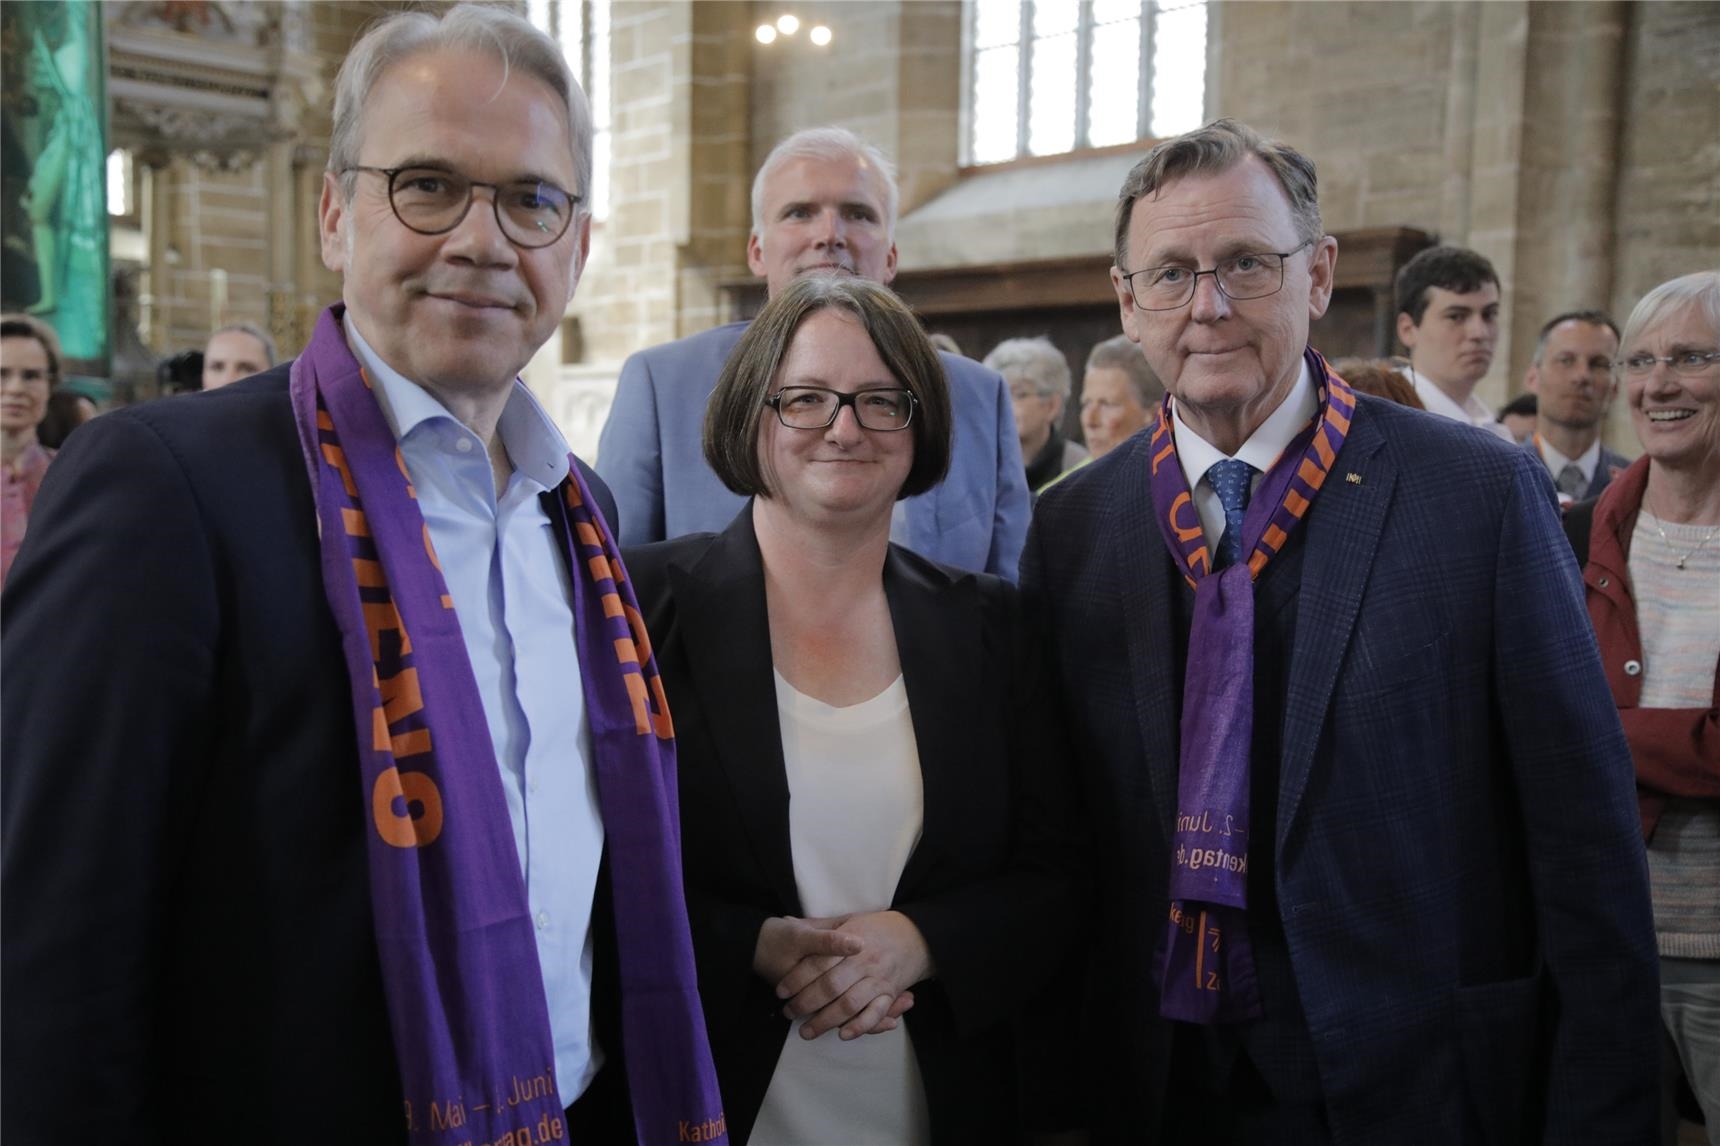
1263, 446
1556, 461
534, 444
1437, 401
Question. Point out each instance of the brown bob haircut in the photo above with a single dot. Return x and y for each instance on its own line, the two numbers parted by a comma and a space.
736, 408
27, 326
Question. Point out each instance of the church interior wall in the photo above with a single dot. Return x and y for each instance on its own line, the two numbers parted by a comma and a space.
1578, 146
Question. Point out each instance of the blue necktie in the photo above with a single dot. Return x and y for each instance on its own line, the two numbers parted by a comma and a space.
1233, 482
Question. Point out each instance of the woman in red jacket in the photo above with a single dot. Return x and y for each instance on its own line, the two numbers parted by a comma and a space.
1652, 576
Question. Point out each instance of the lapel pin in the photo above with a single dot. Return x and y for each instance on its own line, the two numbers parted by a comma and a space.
1353, 478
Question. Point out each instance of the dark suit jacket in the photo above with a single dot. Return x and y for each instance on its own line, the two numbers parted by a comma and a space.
990, 882
1459, 874
1610, 462
188, 947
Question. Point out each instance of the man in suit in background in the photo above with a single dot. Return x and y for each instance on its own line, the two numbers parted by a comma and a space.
311, 682
1571, 377
1365, 831
823, 203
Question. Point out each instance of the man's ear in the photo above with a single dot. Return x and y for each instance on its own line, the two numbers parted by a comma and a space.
331, 211
1322, 271
755, 255
889, 266
1406, 329
1532, 379
1126, 305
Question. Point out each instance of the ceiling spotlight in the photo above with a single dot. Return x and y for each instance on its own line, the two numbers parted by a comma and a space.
765, 34
819, 35
788, 25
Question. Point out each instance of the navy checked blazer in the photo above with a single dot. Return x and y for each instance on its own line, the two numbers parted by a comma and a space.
1459, 870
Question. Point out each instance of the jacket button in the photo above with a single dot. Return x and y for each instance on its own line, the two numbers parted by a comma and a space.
1603, 582
1632, 668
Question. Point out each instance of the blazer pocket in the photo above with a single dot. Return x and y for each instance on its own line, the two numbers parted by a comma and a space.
1499, 1032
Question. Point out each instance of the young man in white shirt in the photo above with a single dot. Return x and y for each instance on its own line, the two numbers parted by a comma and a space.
1448, 319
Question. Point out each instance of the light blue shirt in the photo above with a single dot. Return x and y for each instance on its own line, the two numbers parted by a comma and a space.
513, 598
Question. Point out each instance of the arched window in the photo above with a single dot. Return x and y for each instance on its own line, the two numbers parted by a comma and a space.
1050, 76
581, 27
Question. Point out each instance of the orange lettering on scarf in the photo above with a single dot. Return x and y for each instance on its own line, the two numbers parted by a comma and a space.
1295, 503
400, 464
1324, 449
430, 548
324, 422
382, 617
1310, 473
1337, 419
401, 695
336, 457
625, 652
353, 520
403, 829
1184, 533
612, 605
587, 535
1161, 456
599, 567
368, 573
661, 721
1274, 537
640, 636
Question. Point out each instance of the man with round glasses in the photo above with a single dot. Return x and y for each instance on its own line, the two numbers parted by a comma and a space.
1364, 830
824, 202
339, 787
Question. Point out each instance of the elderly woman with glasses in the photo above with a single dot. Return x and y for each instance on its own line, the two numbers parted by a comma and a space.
1651, 547
875, 832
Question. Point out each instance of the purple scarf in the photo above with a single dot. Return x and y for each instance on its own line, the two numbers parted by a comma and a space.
459, 961
1207, 975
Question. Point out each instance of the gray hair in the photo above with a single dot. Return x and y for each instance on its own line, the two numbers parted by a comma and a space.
1699, 291
1213, 150
1121, 353
1034, 361
481, 27
254, 331
829, 145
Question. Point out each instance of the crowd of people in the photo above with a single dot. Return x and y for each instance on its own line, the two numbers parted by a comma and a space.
850, 756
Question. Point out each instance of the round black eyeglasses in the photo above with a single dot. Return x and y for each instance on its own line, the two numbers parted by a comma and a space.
433, 201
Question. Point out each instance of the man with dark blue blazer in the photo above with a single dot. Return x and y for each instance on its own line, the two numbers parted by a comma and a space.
824, 202
1381, 675
192, 913
1571, 376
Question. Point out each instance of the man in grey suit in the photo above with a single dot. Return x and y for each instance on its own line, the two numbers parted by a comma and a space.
1571, 376
823, 203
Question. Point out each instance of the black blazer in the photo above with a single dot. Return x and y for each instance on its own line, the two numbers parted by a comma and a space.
188, 943
990, 884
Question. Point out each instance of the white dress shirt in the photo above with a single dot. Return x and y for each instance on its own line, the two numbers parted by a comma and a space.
1261, 450
513, 598
1555, 461
1474, 412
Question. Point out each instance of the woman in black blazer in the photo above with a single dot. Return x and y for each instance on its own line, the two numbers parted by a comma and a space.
874, 815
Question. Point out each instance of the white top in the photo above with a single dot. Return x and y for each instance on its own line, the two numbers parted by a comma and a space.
513, 600
1474, 412
854, 813
1261, 450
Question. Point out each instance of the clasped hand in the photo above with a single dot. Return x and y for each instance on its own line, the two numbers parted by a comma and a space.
851, 973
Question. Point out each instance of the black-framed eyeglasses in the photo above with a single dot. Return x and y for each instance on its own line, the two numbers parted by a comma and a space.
1240, 278
1684, 362
433, 201
816, 408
